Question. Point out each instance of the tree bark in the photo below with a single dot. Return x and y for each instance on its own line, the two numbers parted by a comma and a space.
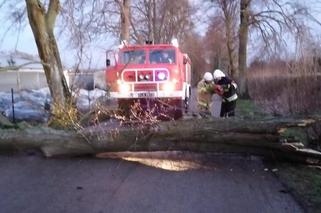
149, 7
233, 136
229, 14
154, 17
51, 16
243, 40
42, 25
125, 20
229, 9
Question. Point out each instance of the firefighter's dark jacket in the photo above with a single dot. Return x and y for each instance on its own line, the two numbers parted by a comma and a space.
229, 89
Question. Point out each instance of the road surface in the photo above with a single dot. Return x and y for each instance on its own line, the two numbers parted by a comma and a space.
31, 184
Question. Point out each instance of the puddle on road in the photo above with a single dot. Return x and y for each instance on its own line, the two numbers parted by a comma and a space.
184, 160
170, 161
170, 165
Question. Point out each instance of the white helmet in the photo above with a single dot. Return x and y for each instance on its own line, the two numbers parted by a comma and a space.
208, 76
218, 74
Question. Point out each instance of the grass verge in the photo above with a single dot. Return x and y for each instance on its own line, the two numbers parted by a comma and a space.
247, 109
304, 183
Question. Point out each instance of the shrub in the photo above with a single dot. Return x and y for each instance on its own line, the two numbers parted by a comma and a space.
282, 92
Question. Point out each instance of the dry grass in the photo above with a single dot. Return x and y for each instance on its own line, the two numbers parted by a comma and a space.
64, 117
284, 90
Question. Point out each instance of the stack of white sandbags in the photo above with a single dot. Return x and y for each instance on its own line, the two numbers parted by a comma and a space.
29, 105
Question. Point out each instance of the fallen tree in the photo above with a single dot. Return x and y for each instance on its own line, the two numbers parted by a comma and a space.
282, 139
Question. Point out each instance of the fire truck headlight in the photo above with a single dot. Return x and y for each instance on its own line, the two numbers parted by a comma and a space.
168, 87
161, 76
147, 77
141, 77
124, 88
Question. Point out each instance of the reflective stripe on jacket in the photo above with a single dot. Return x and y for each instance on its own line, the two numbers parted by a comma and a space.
231, 98
203, 104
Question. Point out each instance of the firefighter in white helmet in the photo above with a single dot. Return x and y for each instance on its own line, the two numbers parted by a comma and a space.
204, 94
229, 93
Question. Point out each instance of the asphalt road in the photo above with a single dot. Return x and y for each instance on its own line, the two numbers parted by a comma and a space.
31, 184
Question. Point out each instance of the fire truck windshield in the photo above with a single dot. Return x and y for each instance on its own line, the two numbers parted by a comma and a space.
162, 56
133, 57
156, 56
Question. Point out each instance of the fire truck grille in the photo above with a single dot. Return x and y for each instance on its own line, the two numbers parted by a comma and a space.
145, 87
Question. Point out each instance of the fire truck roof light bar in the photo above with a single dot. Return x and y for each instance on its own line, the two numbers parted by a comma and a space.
174, 42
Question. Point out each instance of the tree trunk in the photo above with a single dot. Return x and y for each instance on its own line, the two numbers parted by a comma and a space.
150, 19
154, 19
243, 40
231, 57
125, 20
228, 135
229, 14
51, 16
42, 24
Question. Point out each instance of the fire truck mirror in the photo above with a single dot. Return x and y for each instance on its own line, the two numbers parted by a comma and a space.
184, 60
107, 62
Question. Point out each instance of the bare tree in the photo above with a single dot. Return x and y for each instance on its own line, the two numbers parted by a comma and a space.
42, 21
269, 20
161, 20
215, 45
195, 46
42, 16
243, 41
228, 10
124, 7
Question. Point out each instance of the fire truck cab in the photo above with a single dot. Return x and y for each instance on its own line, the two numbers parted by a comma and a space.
152, 73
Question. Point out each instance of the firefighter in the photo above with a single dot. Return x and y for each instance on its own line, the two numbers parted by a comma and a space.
229, 95
204, 94
166, 58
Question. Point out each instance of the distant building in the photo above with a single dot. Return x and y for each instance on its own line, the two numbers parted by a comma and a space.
23, 71
86, 79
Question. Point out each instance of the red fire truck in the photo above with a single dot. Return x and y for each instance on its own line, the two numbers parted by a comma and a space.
156, 75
